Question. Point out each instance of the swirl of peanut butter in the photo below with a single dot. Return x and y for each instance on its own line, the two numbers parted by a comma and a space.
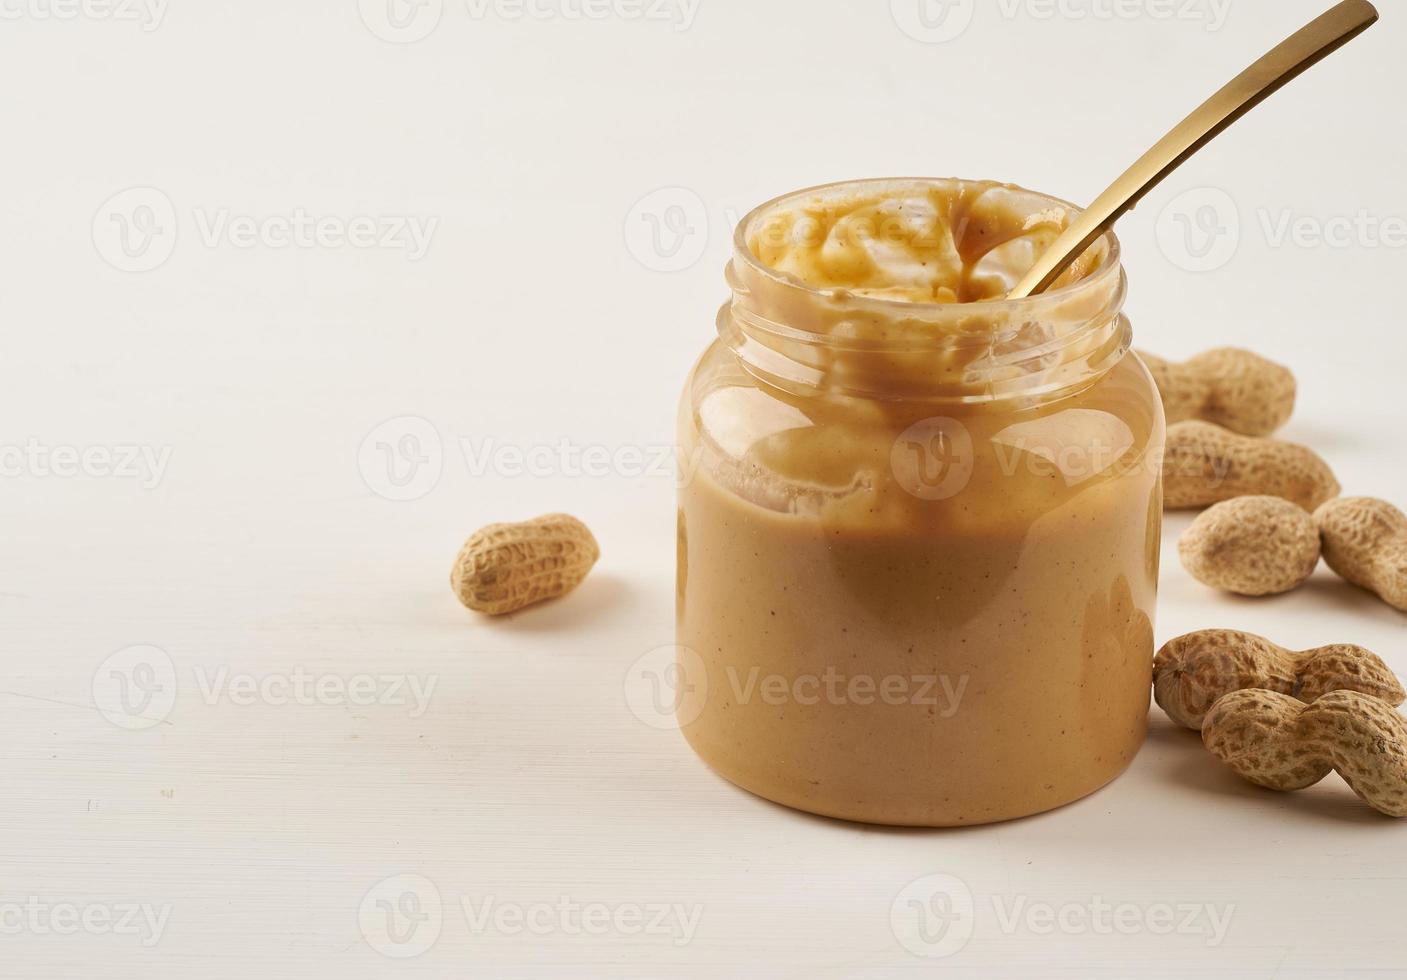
908, 241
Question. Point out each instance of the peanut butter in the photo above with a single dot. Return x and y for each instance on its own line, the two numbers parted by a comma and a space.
909, 241
919, 528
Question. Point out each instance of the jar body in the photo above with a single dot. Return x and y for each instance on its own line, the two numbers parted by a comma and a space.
915, 610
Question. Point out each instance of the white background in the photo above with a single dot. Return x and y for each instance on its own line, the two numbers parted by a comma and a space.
268, 379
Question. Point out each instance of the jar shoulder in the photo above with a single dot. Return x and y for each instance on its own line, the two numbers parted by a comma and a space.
812, 452
723, 401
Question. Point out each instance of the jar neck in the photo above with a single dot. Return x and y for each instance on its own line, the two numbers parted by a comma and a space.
830, 341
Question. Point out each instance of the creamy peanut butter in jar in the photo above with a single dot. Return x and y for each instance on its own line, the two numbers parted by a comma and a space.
918, 523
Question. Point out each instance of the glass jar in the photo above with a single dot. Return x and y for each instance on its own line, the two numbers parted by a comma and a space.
918, 541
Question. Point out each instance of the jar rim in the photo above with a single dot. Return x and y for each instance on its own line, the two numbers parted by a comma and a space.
1096, 278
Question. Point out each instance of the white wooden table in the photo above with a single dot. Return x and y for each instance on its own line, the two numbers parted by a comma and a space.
246, 730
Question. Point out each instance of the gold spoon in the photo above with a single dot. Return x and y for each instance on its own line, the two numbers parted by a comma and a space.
1306, 48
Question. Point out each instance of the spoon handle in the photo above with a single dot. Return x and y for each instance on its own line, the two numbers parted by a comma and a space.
1308, 46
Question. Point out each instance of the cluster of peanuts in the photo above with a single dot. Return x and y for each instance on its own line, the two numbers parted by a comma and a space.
1280, 718
1274, 507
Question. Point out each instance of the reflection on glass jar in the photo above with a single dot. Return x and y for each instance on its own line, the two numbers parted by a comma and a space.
922, 522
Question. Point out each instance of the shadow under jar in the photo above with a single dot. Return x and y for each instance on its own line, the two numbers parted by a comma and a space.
918, 524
